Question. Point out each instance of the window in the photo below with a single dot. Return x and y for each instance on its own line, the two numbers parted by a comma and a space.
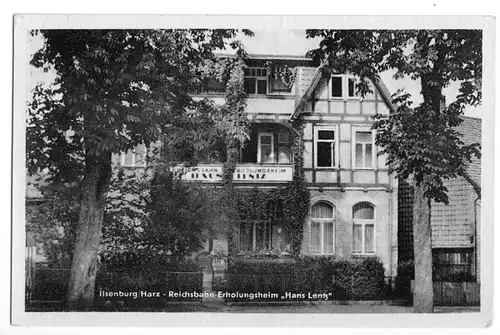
322, 226
452, 264
255, 80
351, 87
343, 87
364, 149
260, 235
337, 87
265, 148
326, 149
284, 149
363, 228
135, 157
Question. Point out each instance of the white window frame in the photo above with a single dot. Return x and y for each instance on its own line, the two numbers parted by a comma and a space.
336, 150
254, 234
330, 87
133, 165
345, 87
266, 77
363, 224
349, 77
353, 149
322, 222
259, 147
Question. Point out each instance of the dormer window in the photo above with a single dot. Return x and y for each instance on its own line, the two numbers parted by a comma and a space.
255, 80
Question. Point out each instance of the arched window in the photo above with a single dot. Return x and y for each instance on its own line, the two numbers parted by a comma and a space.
322, 228
363, 214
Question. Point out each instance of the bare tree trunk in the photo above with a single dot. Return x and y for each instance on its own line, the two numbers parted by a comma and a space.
95, 186
423, 294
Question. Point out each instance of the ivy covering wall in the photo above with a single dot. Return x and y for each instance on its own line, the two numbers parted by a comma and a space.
288, 204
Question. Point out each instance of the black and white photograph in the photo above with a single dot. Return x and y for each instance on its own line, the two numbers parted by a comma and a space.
229, 170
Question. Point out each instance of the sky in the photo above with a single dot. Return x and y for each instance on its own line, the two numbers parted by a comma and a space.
287, 42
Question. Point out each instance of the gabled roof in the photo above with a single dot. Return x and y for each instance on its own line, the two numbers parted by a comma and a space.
470, 128
318, 75
308, 92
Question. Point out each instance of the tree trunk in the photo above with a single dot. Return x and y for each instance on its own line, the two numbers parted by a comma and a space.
95, 185
423, 294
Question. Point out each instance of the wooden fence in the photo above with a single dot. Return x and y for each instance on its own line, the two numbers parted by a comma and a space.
457, 294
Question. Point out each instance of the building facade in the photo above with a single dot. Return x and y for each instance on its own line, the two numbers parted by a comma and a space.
353, 207
353, 198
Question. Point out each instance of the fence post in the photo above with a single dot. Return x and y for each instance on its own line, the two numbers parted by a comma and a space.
352, 288
334, 295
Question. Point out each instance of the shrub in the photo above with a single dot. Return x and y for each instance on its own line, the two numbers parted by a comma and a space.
347, 280
50, 284
406, 269
219, 283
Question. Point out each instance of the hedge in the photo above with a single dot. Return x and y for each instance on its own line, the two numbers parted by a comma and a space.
345, 279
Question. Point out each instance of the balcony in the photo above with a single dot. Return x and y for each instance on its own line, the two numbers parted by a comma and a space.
266, 158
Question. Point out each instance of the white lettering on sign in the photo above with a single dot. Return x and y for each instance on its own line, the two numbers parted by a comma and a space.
246, 173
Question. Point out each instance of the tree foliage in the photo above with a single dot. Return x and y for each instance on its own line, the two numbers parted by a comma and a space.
419, 141
179, 216
114, 90
53, 224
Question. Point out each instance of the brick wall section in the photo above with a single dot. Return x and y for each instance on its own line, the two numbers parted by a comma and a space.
343, 231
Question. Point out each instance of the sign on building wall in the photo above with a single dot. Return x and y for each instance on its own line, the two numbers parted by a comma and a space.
242, 173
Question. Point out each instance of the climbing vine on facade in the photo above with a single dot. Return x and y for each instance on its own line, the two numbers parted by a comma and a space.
282, 72
286, 206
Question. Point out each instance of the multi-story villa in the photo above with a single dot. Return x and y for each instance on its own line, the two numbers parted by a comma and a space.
353, 208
